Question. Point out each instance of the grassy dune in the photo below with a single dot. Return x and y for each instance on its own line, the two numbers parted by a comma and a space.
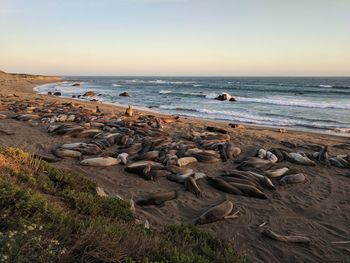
50, 215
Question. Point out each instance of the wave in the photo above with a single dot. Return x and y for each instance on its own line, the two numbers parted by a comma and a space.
116, 85
246, 117
296, 103
157, 81
165, 91
210, 95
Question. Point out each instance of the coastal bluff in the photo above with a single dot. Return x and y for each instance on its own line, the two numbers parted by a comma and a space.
4, 76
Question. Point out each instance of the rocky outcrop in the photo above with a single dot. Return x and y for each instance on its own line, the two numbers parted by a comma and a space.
89, 94
225, 96
124, 94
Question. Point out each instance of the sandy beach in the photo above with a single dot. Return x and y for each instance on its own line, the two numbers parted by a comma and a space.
318, 208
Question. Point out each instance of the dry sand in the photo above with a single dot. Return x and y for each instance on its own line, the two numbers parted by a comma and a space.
318, 209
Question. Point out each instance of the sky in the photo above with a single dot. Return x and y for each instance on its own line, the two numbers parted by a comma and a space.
176, 37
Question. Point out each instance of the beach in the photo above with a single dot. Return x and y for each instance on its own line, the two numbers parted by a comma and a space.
318, 208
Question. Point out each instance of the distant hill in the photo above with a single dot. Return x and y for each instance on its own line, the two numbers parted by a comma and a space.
26, 76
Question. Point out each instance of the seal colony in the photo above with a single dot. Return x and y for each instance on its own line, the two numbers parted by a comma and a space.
198, 163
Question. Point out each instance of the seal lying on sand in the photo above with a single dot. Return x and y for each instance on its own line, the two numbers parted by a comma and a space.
277, 172
100, 161
293, 179
66, 153
298, 158
224, 186
255, 163
157, 198
191, 185
218, 212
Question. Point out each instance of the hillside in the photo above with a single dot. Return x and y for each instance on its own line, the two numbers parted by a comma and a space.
51, 215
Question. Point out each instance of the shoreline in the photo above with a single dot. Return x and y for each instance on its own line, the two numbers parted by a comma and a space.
309, 209
155, 110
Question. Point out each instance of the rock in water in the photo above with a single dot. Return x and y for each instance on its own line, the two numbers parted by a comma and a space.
89, 94
225, 96
124, 94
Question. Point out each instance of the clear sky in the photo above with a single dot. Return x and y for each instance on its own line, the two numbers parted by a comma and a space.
176, 37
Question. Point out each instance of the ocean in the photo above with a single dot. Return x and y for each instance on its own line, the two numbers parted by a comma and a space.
320, 104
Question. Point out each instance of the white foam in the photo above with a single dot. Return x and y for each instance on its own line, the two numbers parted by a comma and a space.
165, 91
296, 103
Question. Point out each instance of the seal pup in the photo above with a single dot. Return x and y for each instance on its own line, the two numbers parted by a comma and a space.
100, 161
293, 179
216, 213
157, 198
191, 185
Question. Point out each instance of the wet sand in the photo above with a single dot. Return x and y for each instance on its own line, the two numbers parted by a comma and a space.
318, 208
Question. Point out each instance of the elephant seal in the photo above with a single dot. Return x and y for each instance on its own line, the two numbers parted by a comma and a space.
298, 158
322, 156
277, 172
215, 129
149, 156
216, 213
185, 161
293, 179
66, 153
277, 153
242, 181
129, 111
100, 161
191, 185
336, 163
143, 168
88, 133
206, 157
250, 190
157, 198
255, 163
264, 180
261, 154
271, 157
232, 151
123, 158
180, 177
223, 186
